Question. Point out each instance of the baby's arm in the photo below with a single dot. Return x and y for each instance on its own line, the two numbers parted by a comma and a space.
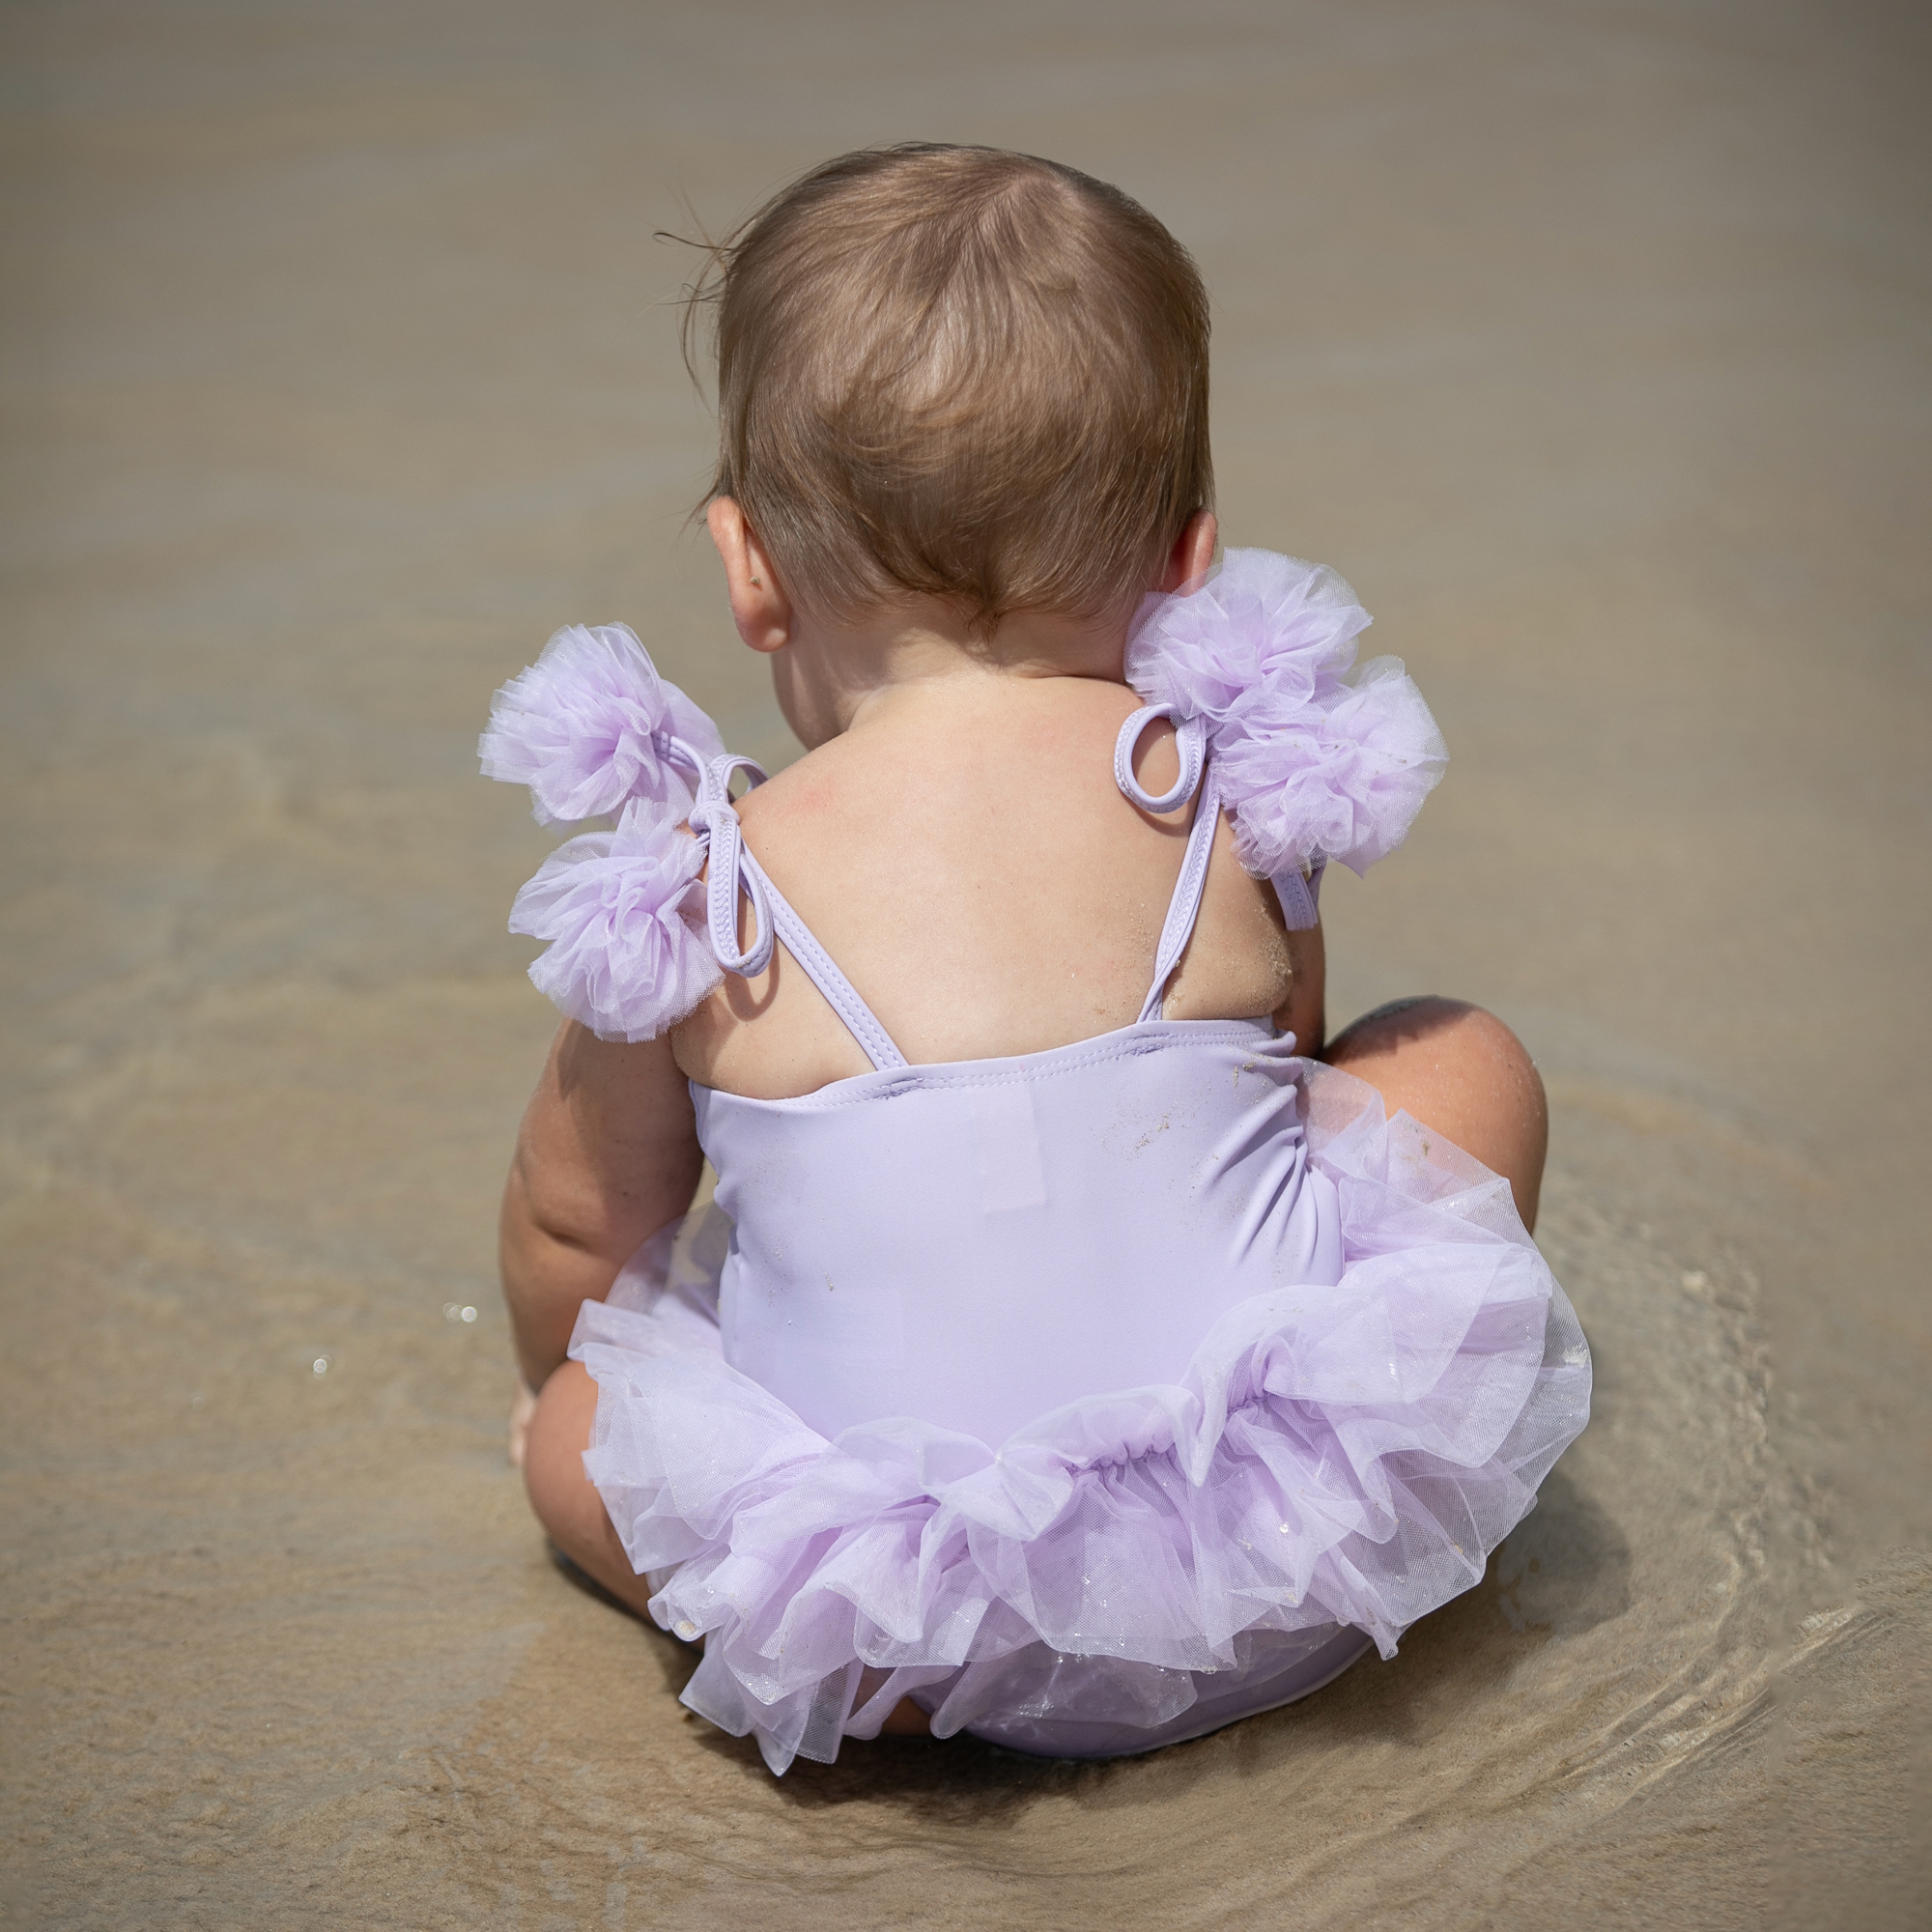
607, 1154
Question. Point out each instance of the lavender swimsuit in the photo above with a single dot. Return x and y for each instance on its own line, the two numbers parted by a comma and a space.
1091, 1398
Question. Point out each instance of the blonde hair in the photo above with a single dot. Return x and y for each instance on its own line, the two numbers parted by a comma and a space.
962, 373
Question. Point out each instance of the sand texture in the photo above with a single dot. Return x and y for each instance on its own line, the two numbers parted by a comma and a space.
1588, 340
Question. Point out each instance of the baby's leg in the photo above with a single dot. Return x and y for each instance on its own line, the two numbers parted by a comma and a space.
1460, 1070
569, 1510
574, 1515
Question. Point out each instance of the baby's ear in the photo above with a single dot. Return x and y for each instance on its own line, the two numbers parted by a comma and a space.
759, 606
1192, 554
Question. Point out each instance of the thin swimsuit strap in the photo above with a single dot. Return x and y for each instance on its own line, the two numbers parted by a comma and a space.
735, 873
1184, 908
843, 997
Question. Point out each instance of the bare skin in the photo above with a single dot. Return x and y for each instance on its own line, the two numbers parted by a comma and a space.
1458, 1070
923, 839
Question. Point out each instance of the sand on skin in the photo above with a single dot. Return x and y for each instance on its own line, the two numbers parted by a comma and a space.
1588, 342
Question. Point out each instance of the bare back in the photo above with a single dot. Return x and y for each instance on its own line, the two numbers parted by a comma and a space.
964, 854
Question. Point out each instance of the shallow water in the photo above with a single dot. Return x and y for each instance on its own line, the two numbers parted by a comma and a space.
1588, 342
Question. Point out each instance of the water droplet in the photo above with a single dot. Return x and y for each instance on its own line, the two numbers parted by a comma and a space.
469, 1315
321, 1365
451, 1312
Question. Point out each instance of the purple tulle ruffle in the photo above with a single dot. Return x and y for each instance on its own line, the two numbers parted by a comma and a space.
592, 728
1331, 1457
1318, 758
624, 917
591, 725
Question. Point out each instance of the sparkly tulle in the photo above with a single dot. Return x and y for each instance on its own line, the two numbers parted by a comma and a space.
1332, 1458
1317, 759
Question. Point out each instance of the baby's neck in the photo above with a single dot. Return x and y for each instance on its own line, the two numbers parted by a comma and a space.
837, 671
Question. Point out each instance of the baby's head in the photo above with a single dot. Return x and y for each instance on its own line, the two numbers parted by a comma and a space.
961, 374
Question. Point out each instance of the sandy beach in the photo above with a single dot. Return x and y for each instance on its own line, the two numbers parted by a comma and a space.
339, 367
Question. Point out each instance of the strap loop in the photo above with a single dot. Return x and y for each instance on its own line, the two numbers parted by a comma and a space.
714, 819
1190, 740
686, 757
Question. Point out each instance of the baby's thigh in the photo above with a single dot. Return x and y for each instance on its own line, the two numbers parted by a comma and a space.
572, 1512
1460, 1070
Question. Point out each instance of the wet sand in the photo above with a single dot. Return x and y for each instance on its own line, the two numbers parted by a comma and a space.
1589, 341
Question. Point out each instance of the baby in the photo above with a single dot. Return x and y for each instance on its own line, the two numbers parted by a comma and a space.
1079, 1352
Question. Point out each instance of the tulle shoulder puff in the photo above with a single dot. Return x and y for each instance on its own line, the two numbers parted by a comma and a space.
592, 728
591, 725
1318, 757
623, 914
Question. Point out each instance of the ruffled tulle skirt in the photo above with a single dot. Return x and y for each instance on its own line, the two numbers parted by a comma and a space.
1138, 1566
